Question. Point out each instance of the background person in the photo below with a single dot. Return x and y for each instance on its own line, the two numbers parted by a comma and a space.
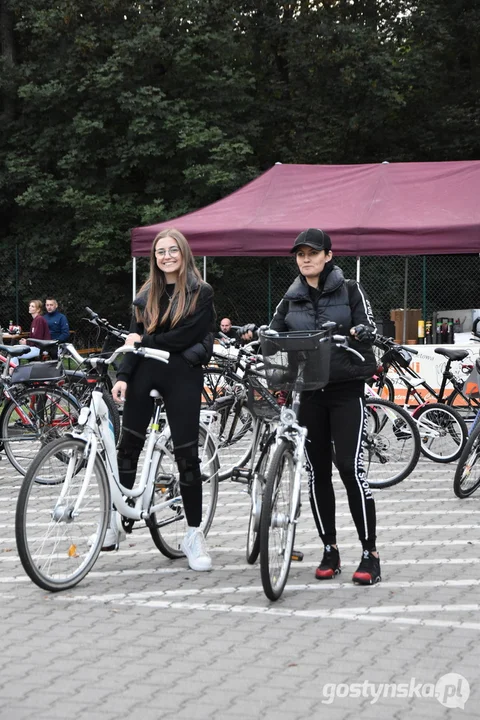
320, 294
227, 329
173, 311
57, 322
39, 329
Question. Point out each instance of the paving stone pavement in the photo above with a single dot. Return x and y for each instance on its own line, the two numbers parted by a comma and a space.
144, 637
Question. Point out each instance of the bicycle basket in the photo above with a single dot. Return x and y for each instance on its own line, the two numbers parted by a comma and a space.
261, 403
398, 355
296, 360
38, 372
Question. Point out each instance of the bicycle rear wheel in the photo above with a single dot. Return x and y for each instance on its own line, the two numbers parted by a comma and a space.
443, 432
169, 526
467, 474
391, 445
38, 416
277, 527
62, 515
256, 490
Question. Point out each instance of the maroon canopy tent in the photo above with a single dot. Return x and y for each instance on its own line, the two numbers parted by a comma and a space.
377, 209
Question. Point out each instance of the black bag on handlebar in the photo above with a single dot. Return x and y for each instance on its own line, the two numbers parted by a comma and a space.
38, 372
398, 355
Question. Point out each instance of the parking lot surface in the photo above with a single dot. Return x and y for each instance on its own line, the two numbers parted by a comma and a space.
145, 637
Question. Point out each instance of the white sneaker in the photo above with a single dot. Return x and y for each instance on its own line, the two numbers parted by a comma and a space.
113, 537
195, 549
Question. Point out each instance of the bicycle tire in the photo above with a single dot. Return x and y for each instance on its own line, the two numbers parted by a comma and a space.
392, 443
235, 435
216, 383
277, 528
39, 415
53, 543
256, 490
463, 484
443, 432
468, 411
168, 528
383, 386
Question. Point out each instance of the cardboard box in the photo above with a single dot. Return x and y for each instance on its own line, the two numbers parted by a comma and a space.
413, 316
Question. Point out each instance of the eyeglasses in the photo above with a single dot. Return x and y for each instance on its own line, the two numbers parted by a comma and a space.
172, 252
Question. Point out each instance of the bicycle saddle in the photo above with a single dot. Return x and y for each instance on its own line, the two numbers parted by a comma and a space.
44, 344
452, 354
14, 350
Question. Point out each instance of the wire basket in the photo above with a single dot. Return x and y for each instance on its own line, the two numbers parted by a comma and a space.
297, 360
261, 403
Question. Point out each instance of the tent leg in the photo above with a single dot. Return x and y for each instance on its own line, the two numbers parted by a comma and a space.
134, 277
204, 268
405, 303
358, 268
424, 287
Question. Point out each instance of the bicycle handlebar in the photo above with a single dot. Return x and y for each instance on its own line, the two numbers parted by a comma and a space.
95, 319
342, 341
151, 353
390, 343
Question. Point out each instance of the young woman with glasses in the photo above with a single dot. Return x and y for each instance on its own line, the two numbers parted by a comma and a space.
173, 311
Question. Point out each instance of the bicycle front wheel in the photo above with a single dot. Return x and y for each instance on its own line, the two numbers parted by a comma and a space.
467, 474
391, 444
277, 527
37, 416
256, 490
443, 432
169, 526
383, 386
62, 515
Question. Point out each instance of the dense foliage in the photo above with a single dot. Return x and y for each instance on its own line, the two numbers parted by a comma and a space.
115, 113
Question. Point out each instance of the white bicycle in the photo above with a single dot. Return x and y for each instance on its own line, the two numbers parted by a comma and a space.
65, 502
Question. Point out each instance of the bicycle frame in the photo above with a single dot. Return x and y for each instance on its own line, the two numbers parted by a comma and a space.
97, 432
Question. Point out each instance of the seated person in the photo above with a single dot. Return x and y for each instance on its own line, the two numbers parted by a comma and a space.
38, 329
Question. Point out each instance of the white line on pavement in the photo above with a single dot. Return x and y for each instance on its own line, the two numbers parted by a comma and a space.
378, 614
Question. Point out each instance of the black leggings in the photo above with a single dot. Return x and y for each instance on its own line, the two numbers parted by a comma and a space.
180, 386
337, 413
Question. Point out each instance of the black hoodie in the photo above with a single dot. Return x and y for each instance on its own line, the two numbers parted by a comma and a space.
192, 336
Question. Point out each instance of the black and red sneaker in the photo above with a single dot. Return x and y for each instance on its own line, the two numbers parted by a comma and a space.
330, 565
368, 572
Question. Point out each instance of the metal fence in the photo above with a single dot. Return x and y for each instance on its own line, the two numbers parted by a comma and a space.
246, 289
433, 283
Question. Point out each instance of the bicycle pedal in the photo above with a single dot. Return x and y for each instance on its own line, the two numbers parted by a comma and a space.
297, 555
240, 475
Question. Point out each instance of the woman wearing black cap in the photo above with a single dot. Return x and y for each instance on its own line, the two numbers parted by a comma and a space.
321, 294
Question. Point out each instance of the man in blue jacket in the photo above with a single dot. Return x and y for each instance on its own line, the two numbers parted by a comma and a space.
57, 322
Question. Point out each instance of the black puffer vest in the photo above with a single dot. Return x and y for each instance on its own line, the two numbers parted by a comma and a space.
338, 302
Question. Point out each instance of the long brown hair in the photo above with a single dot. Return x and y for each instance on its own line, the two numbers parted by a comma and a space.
181, 303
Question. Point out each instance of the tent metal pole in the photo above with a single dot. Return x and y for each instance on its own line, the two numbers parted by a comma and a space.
205, 268
134, 277
269, 299
405, 303
424, 287
17, 289
358, 268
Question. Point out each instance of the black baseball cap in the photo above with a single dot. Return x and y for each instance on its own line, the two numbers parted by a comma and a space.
314, 238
